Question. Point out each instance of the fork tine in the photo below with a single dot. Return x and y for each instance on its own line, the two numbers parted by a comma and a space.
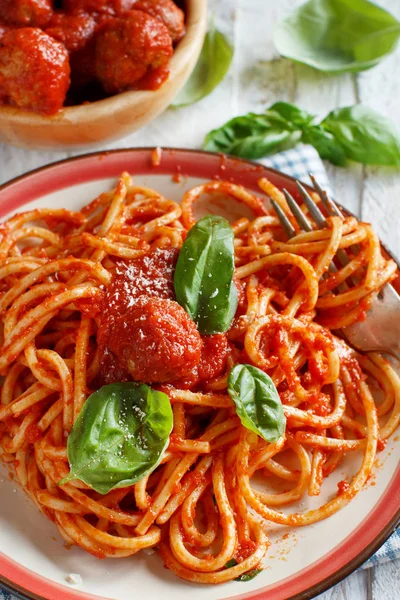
332, 210
320, 219
329, 204
300, 218
297, 213
335, 211
312, 207
284, 221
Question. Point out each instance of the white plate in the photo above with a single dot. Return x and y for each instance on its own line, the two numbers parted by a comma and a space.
301, 562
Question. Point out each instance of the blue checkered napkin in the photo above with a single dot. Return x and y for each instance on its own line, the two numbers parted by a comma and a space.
298, 163
387, 552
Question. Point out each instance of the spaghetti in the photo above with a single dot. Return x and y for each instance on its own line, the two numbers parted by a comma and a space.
64, 278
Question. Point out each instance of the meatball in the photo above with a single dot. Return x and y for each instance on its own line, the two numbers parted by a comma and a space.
155, 340
26, 12
74, 31
167, 12
34, 70
149, 275
109, 7
128, 48
213, 359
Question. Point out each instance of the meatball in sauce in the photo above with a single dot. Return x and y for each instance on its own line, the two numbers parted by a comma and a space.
34, 70
128, 48
74, 31
26, 13
155, 340
105, 47
143, 333
167, 12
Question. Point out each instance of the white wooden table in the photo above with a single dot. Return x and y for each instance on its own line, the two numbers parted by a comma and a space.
258, 78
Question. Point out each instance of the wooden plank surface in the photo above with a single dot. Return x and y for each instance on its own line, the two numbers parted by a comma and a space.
380, 89
257, 78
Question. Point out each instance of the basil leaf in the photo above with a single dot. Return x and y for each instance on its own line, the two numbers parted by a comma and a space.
326, 145
211, 68
365, 136
119, 436
336, 36
203, 275
249, 575
253, 135
297, 117
245, 576
257, 402
231, 563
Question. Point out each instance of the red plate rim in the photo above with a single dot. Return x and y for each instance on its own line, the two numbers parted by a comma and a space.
381, 521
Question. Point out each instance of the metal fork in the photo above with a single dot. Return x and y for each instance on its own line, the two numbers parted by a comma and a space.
380, 332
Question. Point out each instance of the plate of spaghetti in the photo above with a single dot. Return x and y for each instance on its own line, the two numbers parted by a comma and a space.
176, 393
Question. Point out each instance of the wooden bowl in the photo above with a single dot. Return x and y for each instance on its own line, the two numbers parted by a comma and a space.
87, 126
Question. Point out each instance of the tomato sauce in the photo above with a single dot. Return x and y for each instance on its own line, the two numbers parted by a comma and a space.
381, 445
156, 157
214, 355
33, 434
320, 405
153, 79
245, 549
343, 487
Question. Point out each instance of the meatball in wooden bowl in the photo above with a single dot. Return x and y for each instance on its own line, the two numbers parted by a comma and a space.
92, 71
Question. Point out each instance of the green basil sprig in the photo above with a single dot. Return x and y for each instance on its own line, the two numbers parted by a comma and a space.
257, 402
351, 133
203, 275
257, 135
253, 136
245, 576
211, 68
119, 436
336, 36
